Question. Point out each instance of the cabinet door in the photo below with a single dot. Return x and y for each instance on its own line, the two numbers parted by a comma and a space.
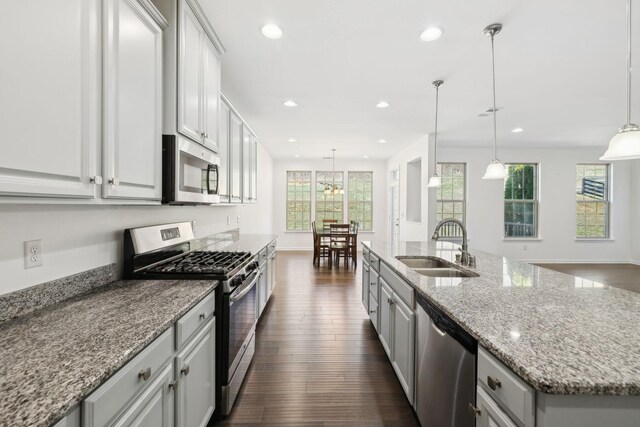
404, 324
154, 407
273, 269
269, 273
246, 165
262, 291
196, 375
385, 313
211, 94
236, 158
223, 152
49, 97
253, 170
490, 414
365, 285
190, 57
132, 102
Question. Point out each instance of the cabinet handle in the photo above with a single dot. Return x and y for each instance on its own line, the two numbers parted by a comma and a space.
185, 369
494, 383
474, 410
203, 316
173, 384
372, 311
114, 181
96, 180
144, 374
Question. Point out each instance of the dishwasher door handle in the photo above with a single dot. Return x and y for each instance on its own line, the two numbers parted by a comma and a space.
438, 330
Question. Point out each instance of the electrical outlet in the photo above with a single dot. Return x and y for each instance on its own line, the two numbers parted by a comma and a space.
238, 219
33, 253
228, 220
524, 247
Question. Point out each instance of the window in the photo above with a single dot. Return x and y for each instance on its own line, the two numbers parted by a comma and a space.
592, 201
451, 196
329, 206
361, 199
521, 201
298, 200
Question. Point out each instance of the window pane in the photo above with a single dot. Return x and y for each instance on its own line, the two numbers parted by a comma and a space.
298, 200
521, 200
330, 205
450, 195
360, 199
592, 206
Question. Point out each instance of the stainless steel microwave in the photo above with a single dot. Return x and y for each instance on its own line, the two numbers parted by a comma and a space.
190, 172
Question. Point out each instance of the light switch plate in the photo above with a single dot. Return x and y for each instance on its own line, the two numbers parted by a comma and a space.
32, 253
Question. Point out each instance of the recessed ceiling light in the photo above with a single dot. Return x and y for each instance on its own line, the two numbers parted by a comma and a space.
431, 34
365, 157
271, 31
517, 130
290, 103
291, 140
382, 141
296, 156
382, 104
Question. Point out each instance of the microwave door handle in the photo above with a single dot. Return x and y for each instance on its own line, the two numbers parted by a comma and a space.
217, 171
208, 179
245, 290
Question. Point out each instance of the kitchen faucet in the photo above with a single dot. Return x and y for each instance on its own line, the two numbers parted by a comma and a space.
465, 257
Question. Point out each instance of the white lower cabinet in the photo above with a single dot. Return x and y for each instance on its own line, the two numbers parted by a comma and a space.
365, 285
490, 414
263, 290
196, 379
154, 408
385, 315
271, 272
404, 323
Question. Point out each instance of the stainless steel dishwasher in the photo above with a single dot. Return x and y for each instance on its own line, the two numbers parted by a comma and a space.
446, 363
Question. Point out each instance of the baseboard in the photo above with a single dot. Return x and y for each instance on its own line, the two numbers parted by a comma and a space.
579, 261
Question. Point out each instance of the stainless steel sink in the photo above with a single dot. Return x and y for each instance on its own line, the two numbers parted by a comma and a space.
423, 262
434, 267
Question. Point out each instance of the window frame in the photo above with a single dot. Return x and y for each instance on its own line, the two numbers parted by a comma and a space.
363, 202
464, 190
606, 201
316, 193
535, 201
293, 230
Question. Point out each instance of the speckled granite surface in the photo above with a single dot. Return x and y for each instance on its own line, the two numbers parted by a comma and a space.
27, 300
560, 333
54, 357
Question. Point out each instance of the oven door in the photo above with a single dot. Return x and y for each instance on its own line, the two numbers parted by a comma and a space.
242, 320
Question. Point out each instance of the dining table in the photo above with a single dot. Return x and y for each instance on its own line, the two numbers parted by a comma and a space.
324, 233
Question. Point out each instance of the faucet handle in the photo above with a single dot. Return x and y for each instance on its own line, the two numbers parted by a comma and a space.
472, 261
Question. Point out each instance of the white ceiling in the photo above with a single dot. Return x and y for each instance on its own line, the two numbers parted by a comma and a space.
560, 72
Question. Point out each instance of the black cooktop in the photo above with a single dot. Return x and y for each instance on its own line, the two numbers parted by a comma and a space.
203, 262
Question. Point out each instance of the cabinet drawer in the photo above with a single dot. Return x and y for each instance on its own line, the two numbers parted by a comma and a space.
399, 286
365, 253
506, 388
262, 256
114, 395
196, 317
373, 283
271, 248
374, 261
490, 413
373, 312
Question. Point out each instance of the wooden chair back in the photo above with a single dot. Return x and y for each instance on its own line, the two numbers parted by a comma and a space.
327, 222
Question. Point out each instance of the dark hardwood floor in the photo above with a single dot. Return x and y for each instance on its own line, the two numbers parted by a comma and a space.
623, 276
318, 360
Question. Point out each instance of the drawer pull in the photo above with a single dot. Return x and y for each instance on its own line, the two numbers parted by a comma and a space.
185, 369
474, 410
372, 311
202, 316
494, 383
144, 374
173, 384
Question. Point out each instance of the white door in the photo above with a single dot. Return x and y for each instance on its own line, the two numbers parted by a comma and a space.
385, 314
196, 374
403, 343
223, 151
190, 67
132, 102
49, 97
236, 158
211, 94
394, 206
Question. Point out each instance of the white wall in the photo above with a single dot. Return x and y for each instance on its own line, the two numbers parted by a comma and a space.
296, 240
76, 238
557, 220
634, 188
411, 230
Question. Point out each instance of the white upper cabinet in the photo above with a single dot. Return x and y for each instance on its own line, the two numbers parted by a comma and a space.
246, 165
49, 98
132, 100
235, 147
192, 101
223, 152
253, 169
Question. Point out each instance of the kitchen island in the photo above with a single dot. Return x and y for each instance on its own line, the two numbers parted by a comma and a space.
574, 342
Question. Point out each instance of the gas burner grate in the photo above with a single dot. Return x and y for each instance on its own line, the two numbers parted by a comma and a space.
203, 262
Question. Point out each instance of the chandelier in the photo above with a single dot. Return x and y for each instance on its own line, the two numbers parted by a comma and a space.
333, 188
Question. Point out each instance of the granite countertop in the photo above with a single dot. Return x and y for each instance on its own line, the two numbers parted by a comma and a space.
562, 334
54, 357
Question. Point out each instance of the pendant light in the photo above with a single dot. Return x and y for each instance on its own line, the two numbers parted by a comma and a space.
435, 180
333, 188
625, 144
496, 169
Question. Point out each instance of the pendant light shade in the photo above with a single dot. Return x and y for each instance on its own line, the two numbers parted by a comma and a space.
496, 169
435, 180
625, 145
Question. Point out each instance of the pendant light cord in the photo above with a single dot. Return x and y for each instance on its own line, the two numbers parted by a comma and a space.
435, 138
628, 62
495, 126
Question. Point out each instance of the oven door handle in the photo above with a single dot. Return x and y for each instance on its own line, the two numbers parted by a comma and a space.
245, 290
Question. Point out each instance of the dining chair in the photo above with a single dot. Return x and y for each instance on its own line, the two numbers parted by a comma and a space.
327, 222
353, 241
339, 244
320, 246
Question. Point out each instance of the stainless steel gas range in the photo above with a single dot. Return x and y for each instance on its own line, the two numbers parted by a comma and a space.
171, 252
